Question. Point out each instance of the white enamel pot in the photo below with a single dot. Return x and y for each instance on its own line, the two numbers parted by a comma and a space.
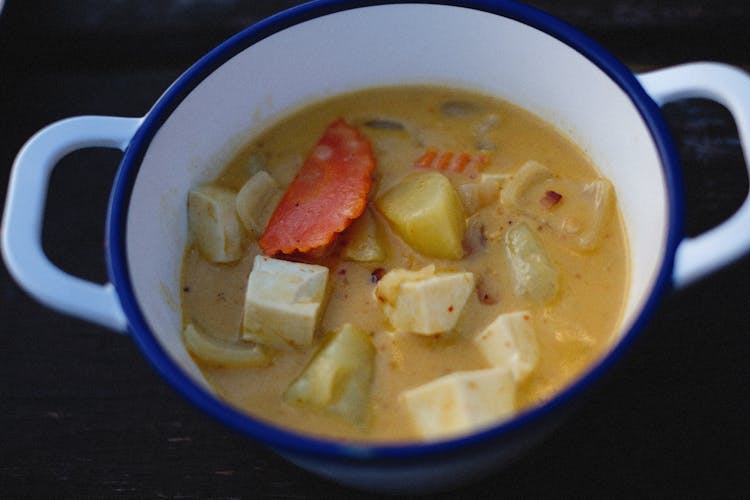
328, 47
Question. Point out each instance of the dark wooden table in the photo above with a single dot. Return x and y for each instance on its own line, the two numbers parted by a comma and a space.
83, 415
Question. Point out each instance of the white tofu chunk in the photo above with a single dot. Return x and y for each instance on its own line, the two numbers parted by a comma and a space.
461, 402
283, 302
257, 200
510, 342
213, 223
423, 302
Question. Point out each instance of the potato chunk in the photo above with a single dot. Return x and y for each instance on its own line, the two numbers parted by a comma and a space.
364, 240
426, 212
534, 276
216, 352
213, 223
461, 402
510, 342
283, 302
575, 210
257, 200
339, 377
423, 302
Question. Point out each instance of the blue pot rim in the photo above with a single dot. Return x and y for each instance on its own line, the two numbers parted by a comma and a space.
285, 440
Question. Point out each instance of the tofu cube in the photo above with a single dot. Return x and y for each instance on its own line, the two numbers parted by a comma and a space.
283, 302
461, 402
423, 302
510, 342
213, 223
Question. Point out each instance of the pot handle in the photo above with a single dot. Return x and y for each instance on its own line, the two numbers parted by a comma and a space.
701, 255
24, 211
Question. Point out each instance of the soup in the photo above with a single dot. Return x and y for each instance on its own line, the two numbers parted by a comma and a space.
405, 263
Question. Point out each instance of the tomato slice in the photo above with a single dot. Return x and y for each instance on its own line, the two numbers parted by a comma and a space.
328, 193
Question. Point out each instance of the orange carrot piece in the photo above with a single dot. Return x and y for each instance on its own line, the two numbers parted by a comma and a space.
328, 193
448, 160
427, 159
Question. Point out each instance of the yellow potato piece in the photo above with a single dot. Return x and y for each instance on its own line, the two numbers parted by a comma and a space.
427, 213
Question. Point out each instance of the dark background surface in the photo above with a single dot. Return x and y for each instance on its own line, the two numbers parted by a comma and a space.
83, 414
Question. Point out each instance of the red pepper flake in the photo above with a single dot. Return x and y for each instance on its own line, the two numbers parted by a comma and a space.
526, 317
450, 309
485, 297
342, 272
485, 294
550, 199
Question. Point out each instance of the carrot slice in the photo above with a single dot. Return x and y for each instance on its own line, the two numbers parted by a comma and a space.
448, 160
328, 193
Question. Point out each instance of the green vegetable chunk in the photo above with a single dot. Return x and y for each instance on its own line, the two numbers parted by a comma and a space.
427, 212
339, 377
534, 276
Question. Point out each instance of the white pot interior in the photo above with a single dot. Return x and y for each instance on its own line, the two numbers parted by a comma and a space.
385, 46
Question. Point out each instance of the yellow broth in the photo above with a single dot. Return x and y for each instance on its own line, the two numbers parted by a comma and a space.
573, 330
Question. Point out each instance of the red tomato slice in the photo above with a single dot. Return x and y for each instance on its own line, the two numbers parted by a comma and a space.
328, 193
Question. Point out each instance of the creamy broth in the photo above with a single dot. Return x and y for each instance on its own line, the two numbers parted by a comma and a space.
572, 330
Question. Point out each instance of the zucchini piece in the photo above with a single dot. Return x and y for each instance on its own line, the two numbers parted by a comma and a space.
534, 276
338, 379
